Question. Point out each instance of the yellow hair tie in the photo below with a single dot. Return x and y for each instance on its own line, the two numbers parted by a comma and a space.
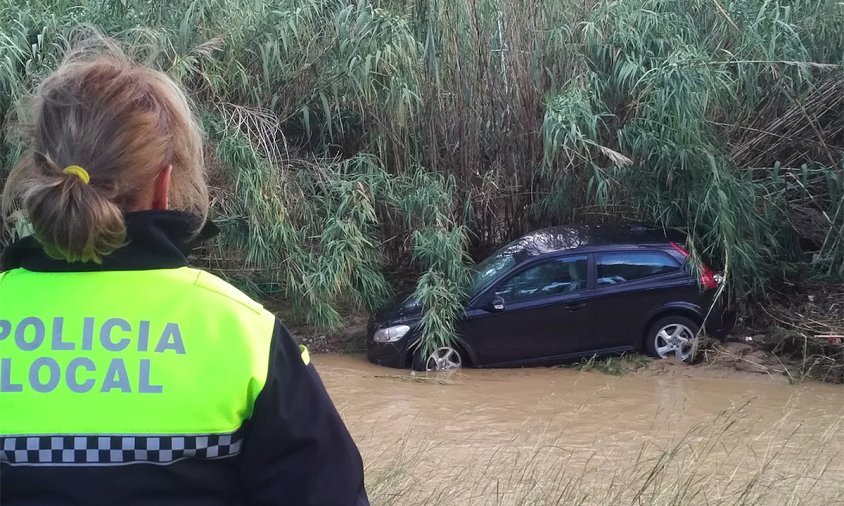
78, 171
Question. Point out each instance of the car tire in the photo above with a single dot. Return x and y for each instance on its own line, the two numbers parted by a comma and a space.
444, 358
672, 337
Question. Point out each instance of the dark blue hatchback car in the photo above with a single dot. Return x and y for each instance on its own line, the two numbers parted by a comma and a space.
566, 293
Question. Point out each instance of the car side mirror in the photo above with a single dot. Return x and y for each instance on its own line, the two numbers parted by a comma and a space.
497, 304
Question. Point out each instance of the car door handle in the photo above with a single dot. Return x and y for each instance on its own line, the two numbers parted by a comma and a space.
576, 306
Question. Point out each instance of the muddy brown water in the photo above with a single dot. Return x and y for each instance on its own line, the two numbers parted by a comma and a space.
550, 435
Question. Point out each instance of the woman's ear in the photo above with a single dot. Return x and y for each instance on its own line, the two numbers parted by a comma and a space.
161, 189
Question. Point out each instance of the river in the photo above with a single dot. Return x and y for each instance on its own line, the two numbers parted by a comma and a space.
668, 435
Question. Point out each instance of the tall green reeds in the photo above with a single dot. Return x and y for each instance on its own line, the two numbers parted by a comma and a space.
348, 136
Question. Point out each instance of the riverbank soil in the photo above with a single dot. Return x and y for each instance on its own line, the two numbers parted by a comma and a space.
804, 327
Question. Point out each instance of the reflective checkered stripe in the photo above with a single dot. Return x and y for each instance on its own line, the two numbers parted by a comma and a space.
116, 450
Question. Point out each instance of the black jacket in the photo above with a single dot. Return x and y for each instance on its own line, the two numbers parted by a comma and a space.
296, 450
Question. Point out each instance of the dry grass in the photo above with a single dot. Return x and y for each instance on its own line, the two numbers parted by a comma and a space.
615, 365
806, 328
724, 461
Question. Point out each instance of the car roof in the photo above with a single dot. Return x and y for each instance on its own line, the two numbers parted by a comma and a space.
574, 237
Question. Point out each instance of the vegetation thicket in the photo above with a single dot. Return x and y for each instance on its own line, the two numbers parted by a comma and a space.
347, 136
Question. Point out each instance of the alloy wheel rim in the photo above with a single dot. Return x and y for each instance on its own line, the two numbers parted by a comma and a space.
675, 339
444, 359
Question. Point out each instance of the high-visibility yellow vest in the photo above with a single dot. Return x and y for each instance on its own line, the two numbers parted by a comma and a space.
148, 352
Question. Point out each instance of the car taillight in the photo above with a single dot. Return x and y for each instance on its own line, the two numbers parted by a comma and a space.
708, 278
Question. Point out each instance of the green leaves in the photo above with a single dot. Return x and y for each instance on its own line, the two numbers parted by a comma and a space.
351, 137
684, 80
570, 127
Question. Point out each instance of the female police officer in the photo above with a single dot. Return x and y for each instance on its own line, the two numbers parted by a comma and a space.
127, 377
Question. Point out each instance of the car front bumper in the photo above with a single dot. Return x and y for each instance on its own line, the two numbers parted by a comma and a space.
386, 354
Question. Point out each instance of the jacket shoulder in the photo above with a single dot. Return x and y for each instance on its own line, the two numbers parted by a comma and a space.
209, 282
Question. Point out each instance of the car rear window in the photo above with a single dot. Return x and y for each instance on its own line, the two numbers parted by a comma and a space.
624, 266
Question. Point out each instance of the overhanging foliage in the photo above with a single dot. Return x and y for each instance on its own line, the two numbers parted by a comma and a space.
348, 136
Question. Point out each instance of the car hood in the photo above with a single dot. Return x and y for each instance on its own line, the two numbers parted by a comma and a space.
402, 307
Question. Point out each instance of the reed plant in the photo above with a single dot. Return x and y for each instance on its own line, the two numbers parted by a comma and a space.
349, 138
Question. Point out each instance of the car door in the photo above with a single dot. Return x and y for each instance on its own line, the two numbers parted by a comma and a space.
628, 285
543, 315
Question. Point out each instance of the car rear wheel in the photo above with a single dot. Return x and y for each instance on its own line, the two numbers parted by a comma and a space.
445, 358
672, 337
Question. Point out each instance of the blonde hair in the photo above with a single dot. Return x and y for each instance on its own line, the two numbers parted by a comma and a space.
123, 123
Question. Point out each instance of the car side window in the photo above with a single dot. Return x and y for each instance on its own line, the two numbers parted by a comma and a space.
624, 266
546, 279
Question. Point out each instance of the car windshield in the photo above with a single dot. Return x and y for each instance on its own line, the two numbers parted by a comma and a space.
491, 268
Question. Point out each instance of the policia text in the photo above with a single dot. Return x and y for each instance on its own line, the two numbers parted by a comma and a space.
84, 372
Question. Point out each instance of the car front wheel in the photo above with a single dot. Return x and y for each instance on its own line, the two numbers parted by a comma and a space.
672, 336
445, 358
